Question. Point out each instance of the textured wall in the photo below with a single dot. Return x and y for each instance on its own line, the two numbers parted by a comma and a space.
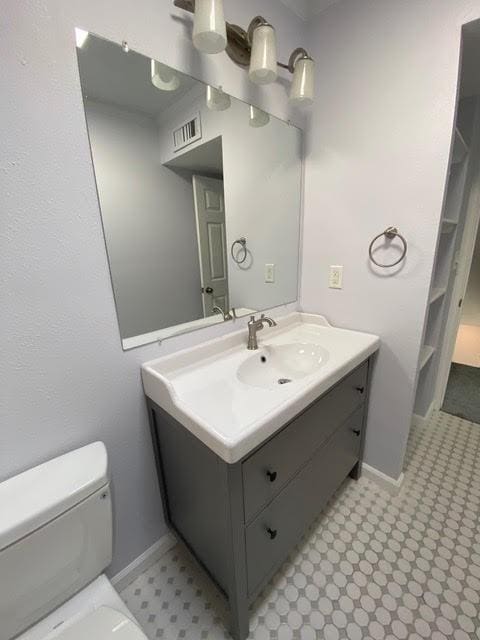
65, 379
377, 155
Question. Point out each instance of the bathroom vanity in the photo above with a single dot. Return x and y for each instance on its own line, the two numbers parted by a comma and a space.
241, 493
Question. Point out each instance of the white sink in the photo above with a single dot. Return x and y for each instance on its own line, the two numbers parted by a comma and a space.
232, 401
281, 364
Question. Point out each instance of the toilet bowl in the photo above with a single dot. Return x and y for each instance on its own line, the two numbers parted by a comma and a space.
55, 543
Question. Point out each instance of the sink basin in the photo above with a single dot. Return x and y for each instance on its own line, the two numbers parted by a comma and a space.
280, 364
233, 399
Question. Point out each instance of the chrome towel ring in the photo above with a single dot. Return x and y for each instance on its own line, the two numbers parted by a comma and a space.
235, 256
390, 233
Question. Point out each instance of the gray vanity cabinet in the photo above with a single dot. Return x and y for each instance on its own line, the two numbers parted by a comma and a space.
240, 521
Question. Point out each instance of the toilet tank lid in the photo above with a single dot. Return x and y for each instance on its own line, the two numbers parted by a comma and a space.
33, 498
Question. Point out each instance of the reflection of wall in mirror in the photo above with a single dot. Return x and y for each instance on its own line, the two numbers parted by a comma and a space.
262, 182
149, 223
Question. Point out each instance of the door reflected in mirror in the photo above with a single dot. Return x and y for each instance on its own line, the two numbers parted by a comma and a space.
200, 201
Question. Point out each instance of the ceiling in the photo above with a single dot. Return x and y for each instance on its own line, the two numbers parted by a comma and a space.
308, 8
123, 79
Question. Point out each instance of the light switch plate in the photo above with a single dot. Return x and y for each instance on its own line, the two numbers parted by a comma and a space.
335, 279
269, 273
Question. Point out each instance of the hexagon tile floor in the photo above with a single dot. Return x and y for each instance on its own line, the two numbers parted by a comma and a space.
372, 566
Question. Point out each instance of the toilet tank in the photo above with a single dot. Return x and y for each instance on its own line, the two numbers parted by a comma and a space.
55, 535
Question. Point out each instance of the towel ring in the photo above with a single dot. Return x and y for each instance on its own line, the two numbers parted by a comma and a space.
389, 233
243, 243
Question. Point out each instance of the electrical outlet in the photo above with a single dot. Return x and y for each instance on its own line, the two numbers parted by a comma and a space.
336, 276
269, 273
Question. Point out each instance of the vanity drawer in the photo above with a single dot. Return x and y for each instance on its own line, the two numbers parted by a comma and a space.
267, 470
273, 533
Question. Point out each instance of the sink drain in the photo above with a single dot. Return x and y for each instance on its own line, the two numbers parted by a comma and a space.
284, 380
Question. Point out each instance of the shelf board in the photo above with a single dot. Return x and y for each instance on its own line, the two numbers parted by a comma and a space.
436, 293
460, 147
426, 353
448, 225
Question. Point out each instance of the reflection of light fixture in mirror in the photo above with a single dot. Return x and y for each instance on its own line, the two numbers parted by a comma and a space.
255, 48
80, 37
302, 89
263, 57
258, 118
217, 100
209, 31
163, 77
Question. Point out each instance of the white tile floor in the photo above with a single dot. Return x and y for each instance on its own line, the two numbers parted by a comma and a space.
373, 566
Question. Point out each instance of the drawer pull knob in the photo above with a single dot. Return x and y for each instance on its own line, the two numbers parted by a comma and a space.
272, 475
356, 431
272, 533
360, 389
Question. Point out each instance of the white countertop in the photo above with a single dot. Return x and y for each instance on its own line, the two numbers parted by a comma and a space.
200, 388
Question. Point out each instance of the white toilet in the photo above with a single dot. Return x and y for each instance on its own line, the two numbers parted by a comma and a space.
55, 541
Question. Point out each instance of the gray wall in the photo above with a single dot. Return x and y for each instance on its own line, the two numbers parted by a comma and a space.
65, 380
149, 223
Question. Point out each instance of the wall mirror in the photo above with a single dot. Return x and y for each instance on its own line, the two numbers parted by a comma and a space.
199, 195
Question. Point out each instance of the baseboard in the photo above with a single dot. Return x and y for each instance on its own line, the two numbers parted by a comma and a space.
124, 577
418, 420
386, 483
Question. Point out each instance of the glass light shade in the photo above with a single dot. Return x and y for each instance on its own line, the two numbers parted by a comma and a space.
258, 118
163, 77
217, 100
302, 89
263, 57
209, 29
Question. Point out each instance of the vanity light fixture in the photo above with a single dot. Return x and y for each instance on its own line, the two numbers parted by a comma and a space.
163, 77
217, 100
80, 37
263, 54
255, 48
209, 30
258, 118
303, 69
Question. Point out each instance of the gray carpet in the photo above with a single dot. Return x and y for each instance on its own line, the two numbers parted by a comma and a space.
462, 397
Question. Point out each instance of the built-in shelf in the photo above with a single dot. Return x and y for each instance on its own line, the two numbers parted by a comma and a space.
425, 354
436, 293
452, 215
460, 148
448, 225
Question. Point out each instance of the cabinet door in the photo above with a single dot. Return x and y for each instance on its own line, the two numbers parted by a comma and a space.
272, 466
282, 523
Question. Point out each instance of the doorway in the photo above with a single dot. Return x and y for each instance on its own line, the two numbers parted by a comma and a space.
462, 395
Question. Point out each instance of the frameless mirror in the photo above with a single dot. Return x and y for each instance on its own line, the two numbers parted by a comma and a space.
199, 195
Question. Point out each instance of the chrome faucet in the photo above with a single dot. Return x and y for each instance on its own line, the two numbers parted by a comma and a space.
257, 325
226, 314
